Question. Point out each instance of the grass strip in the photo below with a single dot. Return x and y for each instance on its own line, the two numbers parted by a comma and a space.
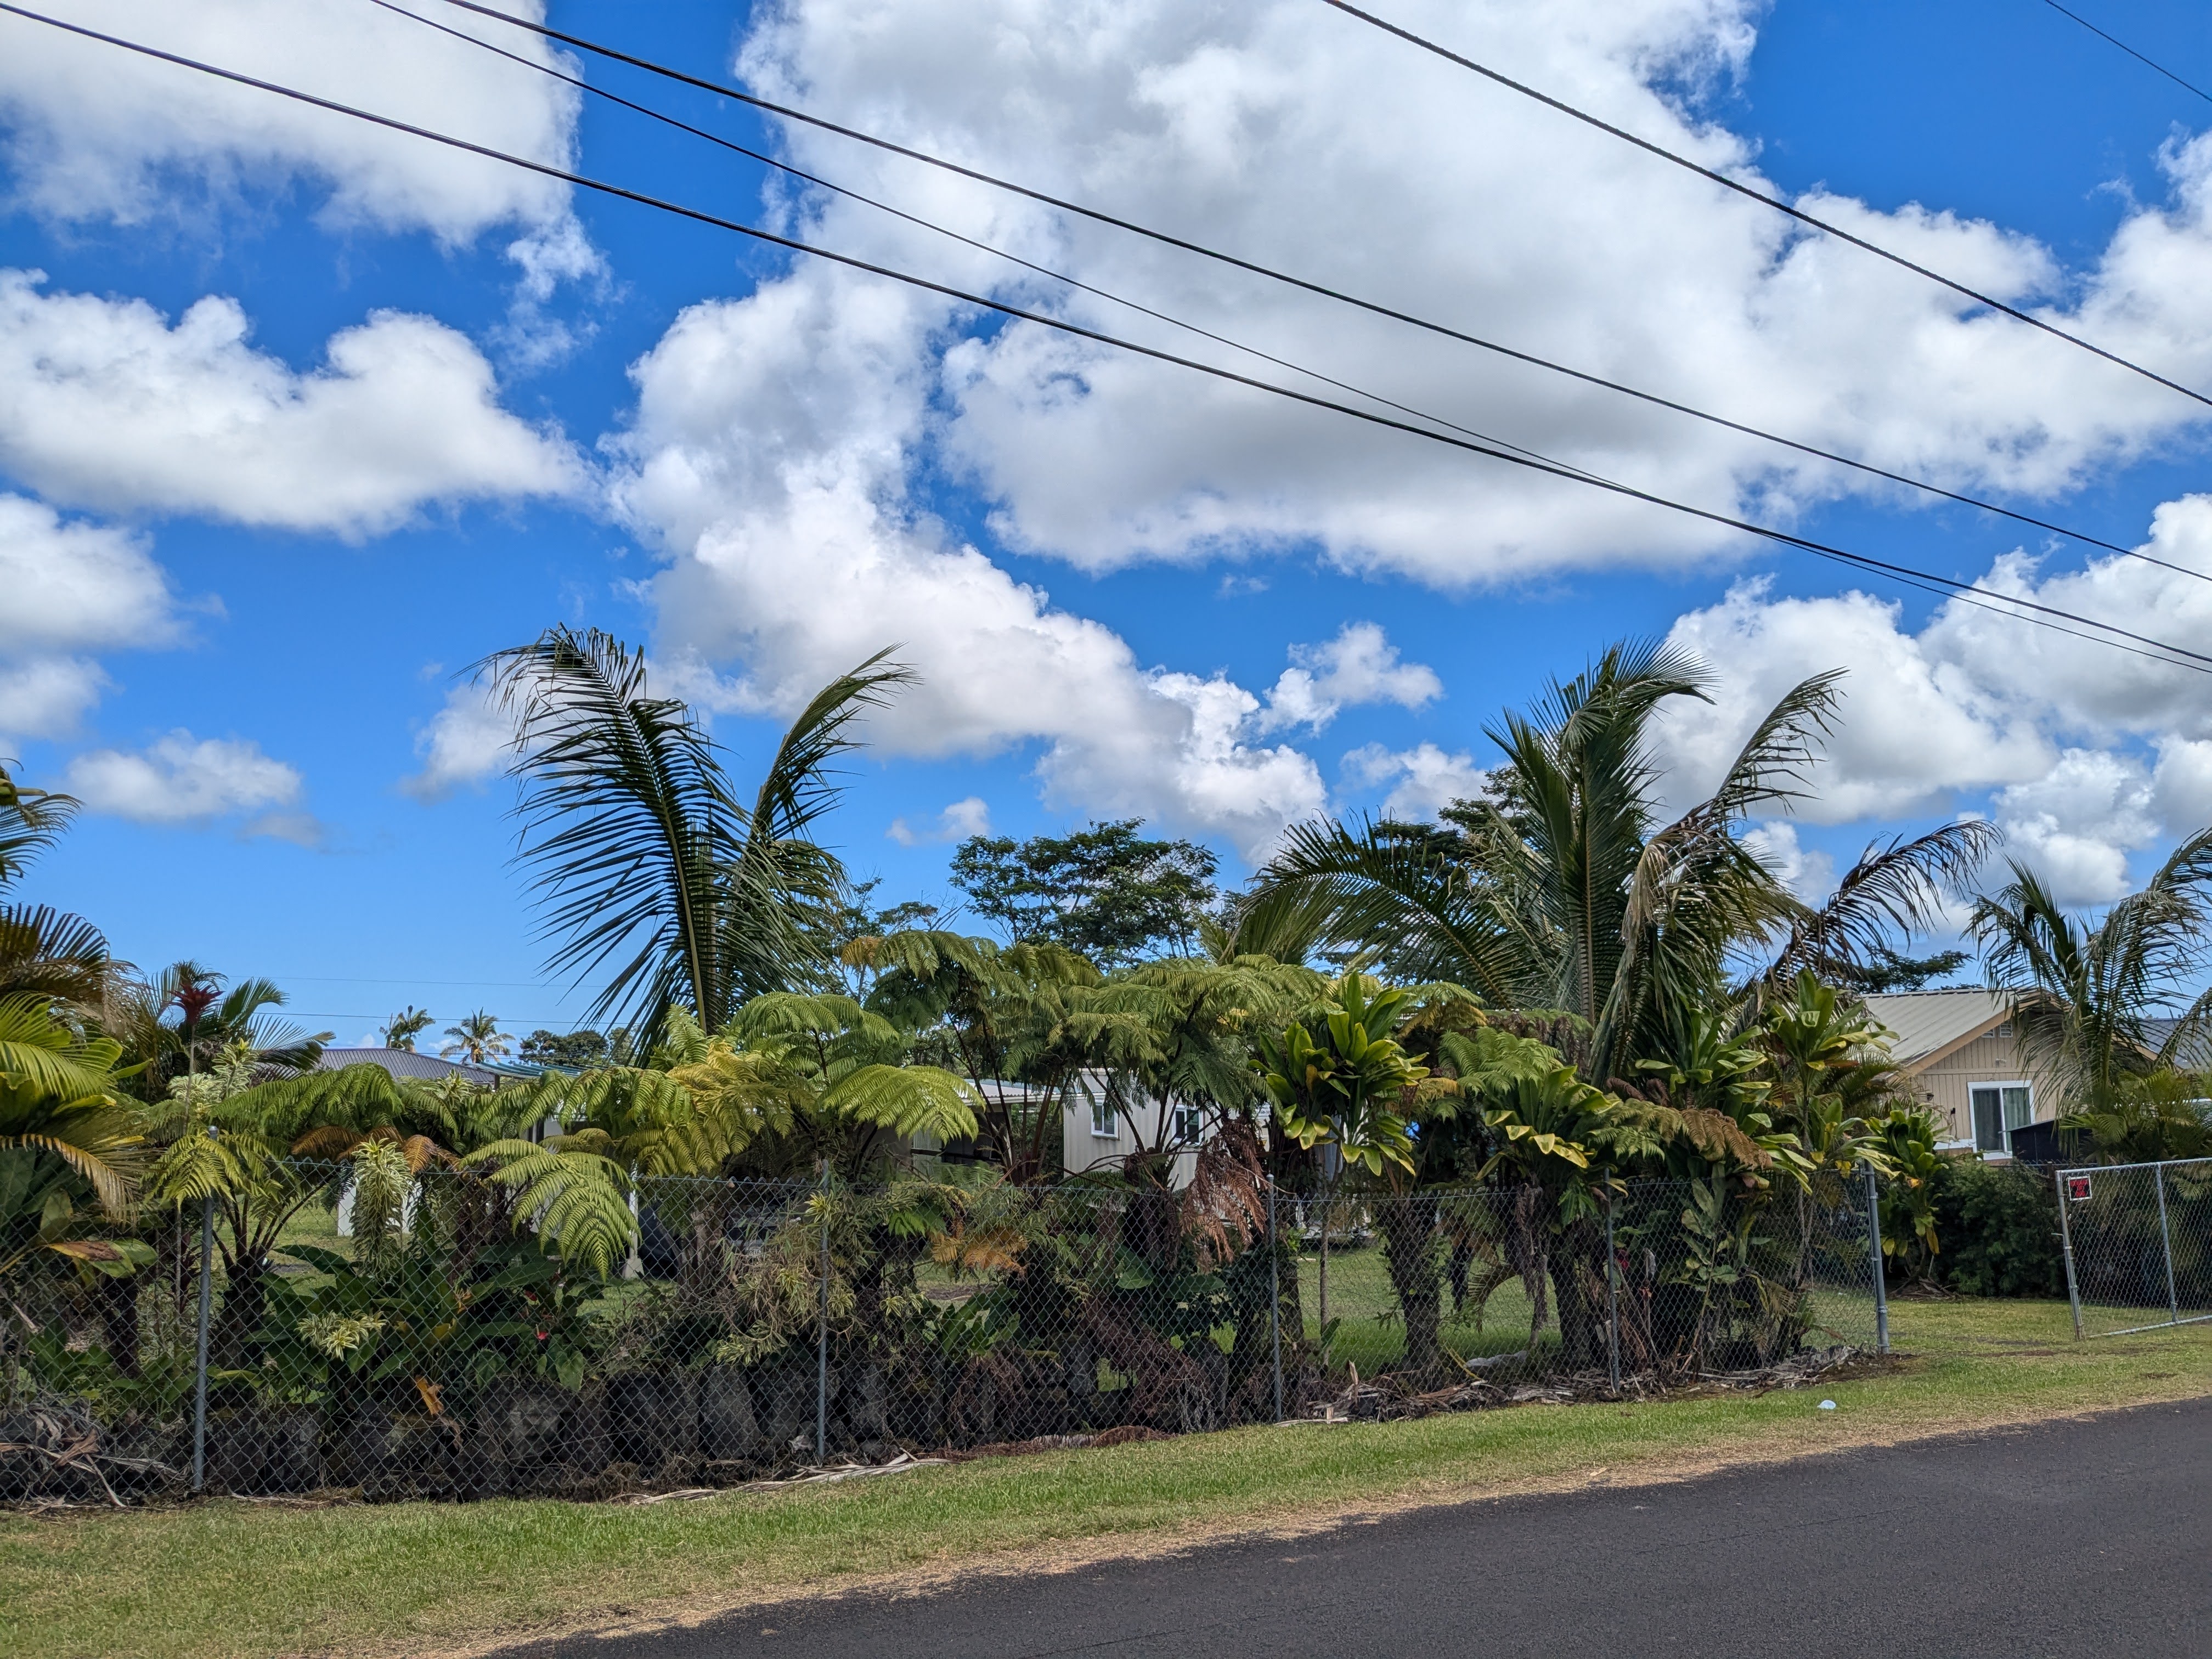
232, 1580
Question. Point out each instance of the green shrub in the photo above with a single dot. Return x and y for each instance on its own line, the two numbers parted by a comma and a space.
1999, 1227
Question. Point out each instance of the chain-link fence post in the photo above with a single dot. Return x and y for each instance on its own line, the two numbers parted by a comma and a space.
2066, 1249
200, 1350
1873, 1250
821, 1334
1611, 1300
1275, 1299
2166, 1238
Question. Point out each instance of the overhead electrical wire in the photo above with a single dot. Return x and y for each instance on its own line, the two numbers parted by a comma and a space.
2116, 41
2023, 609
1760, 196
667, 120
722, 89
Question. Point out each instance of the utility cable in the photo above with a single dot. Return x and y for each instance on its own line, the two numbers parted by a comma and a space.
2174, 655
722, 89
2115, 41
929, 225
1760, 196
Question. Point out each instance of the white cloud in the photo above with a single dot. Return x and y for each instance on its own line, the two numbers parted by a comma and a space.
68, 589
1227, 123
465, 742
1359, 666
47, 696
183, 780
1423, 780
105, 404
2087, 755
1807, 872
2076, 823
768, 456
101, 133
778, 441
1916, 730
963, 819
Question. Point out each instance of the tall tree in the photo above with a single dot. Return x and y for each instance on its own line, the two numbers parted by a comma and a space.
2088, 989
1565, 889
477, 1039
43, 951
402, 1028
1105, 892
650, 868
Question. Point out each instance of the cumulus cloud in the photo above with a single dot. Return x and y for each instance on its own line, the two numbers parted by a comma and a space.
105, 404
768, 456
1805, 871
464, 743
1359, 666
2086, 755
98, 133
963, 819
68, 589
1423, 780
1225, 122
781, 443
183, 780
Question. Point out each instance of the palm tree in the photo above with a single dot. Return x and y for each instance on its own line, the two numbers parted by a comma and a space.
650, 866
66, 1137
401, 1030
1564, 890
2086, 991
43, 951
478, 1038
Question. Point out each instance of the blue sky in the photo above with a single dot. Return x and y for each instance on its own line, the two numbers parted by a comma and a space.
296, 591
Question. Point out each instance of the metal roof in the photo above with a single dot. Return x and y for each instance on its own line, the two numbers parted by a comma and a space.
405, 1062
1927, 1021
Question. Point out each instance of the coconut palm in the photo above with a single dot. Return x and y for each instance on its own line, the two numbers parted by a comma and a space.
402, 1028
650, 868
1564, 888
2086, 990
477, 1039
44, 952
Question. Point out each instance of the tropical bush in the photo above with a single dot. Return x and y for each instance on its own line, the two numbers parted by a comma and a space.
1999, 1227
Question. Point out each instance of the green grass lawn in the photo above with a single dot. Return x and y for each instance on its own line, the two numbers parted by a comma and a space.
232, 1578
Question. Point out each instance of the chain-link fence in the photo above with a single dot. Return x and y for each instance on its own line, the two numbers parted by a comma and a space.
2138, 1245
409, 1340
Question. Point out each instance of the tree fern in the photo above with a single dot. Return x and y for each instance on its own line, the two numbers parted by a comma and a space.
578, 1201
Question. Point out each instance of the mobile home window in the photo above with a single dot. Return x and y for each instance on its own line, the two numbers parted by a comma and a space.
1103, 1125
1189, 1126
1999, 1108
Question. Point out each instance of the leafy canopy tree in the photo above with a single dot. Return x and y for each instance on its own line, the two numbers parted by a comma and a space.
651, 869
1104, 893
572, 1050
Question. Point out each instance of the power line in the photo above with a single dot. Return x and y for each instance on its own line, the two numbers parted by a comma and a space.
2175, 656
1098, 216
926, 224
1760, 196
2130, 51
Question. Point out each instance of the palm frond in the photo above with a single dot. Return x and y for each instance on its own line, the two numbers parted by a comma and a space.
1896, 888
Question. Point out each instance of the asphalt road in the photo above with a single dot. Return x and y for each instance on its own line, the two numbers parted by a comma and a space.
2066, 1539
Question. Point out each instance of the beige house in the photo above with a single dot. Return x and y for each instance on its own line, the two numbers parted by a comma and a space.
1959, 1049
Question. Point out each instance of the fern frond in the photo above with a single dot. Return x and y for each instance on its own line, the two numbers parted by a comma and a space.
577, 1201
908, 1100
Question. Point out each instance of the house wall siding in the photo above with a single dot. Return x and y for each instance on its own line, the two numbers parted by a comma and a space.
1989, 1059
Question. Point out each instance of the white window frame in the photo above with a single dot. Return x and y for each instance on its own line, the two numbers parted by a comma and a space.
2027, 1086
1105, 1121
